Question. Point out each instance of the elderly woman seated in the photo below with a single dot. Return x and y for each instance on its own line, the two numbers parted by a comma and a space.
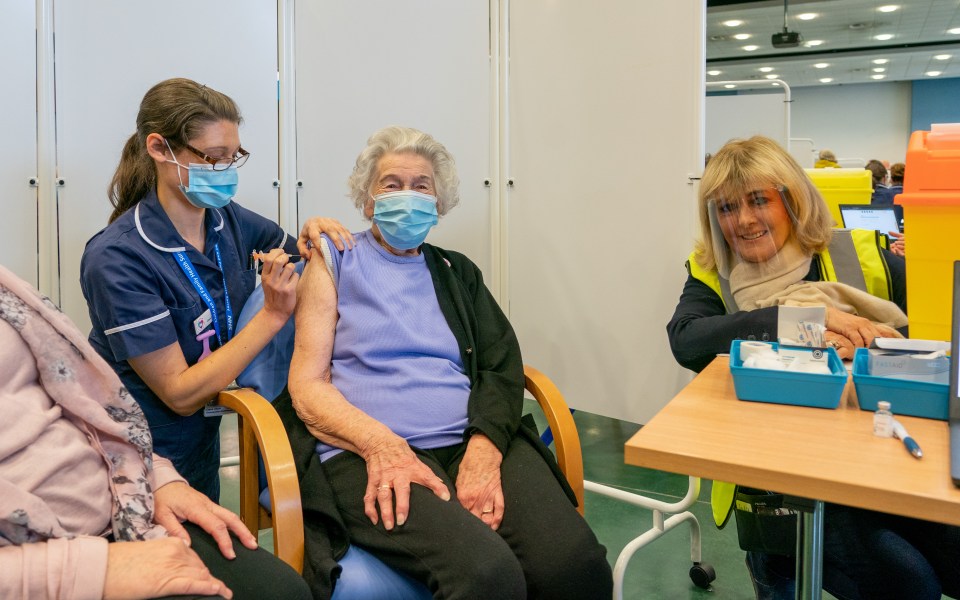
410, 376
86, 509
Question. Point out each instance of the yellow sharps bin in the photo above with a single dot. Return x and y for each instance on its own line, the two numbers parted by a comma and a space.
842, 186
931, 218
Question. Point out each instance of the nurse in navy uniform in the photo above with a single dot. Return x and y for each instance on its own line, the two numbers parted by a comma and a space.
166, 279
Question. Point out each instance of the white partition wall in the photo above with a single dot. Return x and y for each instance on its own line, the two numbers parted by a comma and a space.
367, 64
18, 153
744, 115
603, 135
108, 54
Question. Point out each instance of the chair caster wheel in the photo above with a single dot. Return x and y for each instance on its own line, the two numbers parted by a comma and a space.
702, 574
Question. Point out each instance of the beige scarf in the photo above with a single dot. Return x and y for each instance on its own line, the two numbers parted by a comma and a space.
779, 282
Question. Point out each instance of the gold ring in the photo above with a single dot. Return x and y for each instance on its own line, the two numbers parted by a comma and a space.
385, 486
833, 344
486, 512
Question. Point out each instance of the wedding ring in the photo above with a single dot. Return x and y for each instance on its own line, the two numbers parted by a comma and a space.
833, 344
385, 486
486, 512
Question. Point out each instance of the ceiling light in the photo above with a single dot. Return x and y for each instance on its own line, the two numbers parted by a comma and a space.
751, 47
954, 31
826, 79
714, 72
813, 43
821, 65
943, 56
742, 36
883, 37
933, 73
730, 86
733, 23
765, 69
879, 69
877, 76
772, 76
888, 8
807, 16
881, 61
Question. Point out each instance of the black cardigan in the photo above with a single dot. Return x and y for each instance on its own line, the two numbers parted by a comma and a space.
491, 355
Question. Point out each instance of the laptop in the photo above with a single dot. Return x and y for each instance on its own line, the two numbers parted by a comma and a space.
881, 217
955, 379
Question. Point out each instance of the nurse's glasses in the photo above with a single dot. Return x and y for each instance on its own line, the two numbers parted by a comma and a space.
222, 164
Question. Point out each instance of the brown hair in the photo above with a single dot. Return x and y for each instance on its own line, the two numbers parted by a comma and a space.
177, 109
896, 173
743, 166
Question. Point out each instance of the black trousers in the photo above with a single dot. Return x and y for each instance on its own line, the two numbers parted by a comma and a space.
543, 548
252, 575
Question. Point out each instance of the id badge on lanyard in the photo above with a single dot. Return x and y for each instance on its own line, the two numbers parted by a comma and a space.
210, 410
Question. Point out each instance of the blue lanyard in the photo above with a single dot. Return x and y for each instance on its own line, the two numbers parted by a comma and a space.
188, 269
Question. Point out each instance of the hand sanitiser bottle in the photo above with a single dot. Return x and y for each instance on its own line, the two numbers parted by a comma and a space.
883, 420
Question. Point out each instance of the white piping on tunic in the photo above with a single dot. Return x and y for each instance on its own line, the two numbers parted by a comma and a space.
139, 323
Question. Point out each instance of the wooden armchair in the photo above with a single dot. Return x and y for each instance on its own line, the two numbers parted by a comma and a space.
259, 426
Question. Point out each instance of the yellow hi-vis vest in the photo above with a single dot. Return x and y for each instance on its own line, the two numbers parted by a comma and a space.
853, 258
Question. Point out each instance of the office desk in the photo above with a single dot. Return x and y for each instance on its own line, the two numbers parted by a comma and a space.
822, 454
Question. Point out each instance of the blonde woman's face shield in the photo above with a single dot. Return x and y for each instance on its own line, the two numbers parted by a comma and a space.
751, 228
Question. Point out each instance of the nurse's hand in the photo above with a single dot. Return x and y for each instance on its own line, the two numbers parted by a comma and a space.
279, 280
312, 229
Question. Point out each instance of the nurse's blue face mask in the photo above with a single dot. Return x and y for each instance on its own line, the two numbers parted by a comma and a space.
404, 218
208, 188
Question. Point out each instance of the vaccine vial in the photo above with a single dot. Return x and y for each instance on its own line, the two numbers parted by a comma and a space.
883, 420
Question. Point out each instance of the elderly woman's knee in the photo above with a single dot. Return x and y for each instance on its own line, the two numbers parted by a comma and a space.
494, 575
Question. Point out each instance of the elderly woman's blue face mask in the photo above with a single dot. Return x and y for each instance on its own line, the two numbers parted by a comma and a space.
405, 217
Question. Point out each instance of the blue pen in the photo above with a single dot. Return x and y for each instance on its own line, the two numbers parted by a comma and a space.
901, 433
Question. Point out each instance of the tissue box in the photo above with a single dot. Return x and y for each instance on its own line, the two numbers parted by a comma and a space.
788, 387
906, 397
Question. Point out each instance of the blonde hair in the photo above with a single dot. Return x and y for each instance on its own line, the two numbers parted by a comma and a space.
743, 166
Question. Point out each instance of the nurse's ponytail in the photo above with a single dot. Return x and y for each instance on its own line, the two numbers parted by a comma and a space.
177, 109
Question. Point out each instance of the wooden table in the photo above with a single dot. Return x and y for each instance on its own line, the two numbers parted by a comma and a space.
827, 455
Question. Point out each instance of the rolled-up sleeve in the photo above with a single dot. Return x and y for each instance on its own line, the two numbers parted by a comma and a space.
61, 569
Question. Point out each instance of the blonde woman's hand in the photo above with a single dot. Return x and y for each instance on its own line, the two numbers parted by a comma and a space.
858, 330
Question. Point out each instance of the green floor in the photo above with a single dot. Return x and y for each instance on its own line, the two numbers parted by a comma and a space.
657, 571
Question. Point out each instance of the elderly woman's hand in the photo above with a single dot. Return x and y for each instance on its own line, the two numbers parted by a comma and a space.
478, 481
312, 229
161, 567
391, 468
856, 330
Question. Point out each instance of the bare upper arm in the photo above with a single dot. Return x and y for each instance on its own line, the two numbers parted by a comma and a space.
316, 322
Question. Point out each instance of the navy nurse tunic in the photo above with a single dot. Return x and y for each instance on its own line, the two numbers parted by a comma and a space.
140, 300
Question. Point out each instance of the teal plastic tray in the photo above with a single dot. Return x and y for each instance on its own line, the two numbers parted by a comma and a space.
786, 387
913, 398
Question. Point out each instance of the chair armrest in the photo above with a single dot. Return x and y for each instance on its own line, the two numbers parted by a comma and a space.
260, 427
565, 436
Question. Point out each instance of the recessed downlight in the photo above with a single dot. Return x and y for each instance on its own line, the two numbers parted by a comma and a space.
826, 79
750, 47
742, 36
765, 69
821, 65
813, 43
733, 23
943, 56
879, 69
882, 37
772, 76
807, 16
933, 73
878, 76
730, 86
714, 72
954, 31
887, 8
881, 61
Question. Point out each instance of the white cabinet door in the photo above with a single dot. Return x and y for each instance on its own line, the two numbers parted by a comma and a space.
606, 125
108, 54
367, 64
18, 153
